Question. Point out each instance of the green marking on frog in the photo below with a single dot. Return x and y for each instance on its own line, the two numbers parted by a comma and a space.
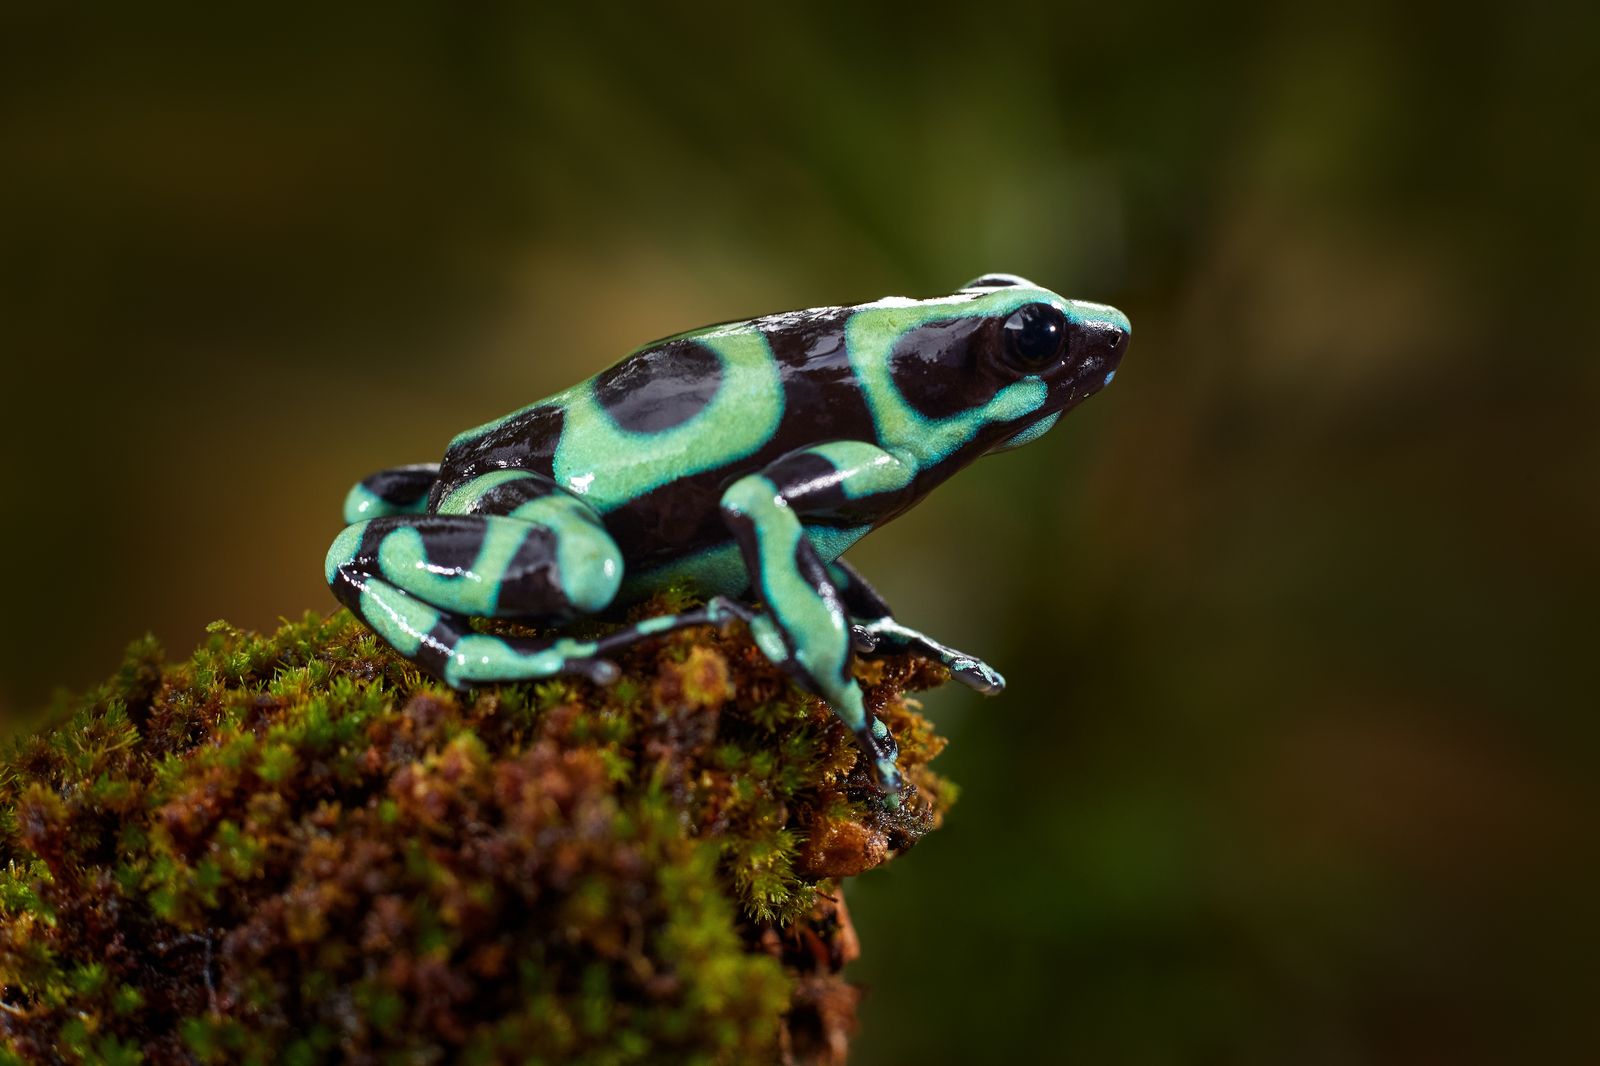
587, 559
474, 590
742, 416
399, 619
461, 501
872, 470
901, 429
814, 630
478, 657
651, 626
341, 551
361, 502
1029, 435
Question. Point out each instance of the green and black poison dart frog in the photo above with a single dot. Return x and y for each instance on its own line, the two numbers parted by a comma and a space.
742, 459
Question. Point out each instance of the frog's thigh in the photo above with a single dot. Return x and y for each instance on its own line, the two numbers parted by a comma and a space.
487, 565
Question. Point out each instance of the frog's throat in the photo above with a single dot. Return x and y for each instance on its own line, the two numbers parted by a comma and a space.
1028, 434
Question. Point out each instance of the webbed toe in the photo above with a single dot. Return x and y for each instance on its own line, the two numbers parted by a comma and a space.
977, 675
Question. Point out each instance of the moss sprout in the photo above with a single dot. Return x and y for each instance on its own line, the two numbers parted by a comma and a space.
296, 848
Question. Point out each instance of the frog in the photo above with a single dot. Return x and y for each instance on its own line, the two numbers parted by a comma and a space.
737, 461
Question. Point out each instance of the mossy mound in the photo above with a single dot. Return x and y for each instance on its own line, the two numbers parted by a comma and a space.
295, 848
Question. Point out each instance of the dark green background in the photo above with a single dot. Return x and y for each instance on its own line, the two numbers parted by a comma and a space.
1299, 758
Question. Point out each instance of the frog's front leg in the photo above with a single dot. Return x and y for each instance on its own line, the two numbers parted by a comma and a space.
807, 629
875, 629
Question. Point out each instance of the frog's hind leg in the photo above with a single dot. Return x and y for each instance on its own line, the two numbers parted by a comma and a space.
510, 545
418, 579
398, 490
487, 566
443, 643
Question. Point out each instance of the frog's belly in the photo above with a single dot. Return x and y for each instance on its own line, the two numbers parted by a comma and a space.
719, 570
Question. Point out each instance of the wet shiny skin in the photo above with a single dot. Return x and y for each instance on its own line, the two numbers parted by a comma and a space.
740, 459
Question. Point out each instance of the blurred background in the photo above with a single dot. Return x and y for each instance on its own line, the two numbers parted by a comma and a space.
1299, 759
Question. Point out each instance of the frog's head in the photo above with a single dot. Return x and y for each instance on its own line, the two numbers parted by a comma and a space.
993, 366
1074, 347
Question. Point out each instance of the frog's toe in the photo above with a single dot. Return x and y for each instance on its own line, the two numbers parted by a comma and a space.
890, 781
722, 612
863, 640
977, 675
880, 746
596, 671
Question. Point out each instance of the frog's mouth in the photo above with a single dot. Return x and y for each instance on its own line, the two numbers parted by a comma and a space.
1027, 434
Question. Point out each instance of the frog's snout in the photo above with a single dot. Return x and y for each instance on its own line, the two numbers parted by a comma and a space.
1101, 342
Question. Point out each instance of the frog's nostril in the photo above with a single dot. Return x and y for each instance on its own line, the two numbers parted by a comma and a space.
1111, 343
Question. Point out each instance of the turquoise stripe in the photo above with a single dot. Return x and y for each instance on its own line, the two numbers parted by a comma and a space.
817, 635
403, 560
479, 657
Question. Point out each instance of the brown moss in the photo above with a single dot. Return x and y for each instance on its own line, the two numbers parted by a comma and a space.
296, 848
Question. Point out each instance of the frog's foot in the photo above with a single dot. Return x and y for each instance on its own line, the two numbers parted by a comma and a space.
886, 636
885, 753
873, 630
719, 611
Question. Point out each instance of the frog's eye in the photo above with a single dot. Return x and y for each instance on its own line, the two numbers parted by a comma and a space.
1034, 336
998, 281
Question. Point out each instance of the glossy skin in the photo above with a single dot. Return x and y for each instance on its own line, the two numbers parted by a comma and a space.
742, 459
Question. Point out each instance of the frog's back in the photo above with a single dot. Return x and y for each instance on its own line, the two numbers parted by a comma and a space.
651, 441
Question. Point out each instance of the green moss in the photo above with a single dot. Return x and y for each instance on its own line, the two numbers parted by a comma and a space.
293, 847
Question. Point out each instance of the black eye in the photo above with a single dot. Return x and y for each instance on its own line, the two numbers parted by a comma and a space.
1035, 335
